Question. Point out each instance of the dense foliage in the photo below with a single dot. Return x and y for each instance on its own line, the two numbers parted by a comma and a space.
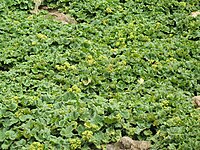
129, 67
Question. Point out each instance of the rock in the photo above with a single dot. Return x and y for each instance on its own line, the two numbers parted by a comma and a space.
196, 101
195, 14
126, 143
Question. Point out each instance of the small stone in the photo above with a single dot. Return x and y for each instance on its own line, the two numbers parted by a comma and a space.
126, 142
195, 14
196, 101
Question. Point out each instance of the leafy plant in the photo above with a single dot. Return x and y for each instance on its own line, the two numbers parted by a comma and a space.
128, 68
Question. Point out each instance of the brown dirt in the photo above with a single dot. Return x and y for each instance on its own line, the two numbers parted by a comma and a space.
59, 16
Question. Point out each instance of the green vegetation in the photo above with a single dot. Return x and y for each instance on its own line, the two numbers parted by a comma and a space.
127, 68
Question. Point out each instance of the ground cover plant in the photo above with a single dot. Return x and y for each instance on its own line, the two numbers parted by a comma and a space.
127, 68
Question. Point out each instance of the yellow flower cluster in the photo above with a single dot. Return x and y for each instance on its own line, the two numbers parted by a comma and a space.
41, 36
75, 89
36, 146
86, 135
65, 66
75, 143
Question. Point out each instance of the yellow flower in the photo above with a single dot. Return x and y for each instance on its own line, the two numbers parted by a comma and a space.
76, 89
110, 68
108, 10
73, 67
69, 89
16, 98
90, 125
140, 81
118, 117
59, 67
36, 146
67, 65
87, 135
105, 21
75, 143
30, 17
34, 43
41, 36
90, 59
